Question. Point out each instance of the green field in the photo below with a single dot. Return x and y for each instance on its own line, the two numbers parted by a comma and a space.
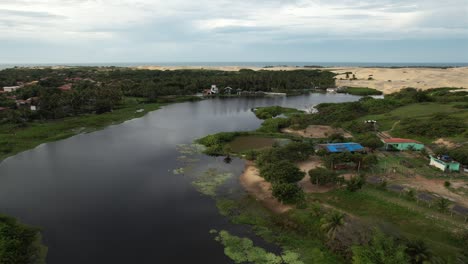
390, 120
14, 138
384, 208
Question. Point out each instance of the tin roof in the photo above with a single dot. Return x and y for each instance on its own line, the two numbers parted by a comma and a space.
343, 147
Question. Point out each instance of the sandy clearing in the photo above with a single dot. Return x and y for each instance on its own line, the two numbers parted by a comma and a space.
261, 189
446, 143
436, 186
421, 78
317, 131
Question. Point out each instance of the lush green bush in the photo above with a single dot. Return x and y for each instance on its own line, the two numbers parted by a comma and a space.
322, 176
382, 249
273, 125
20, 244
355, 183
273, 111
369, 140
215, 143
288, 193
281, 172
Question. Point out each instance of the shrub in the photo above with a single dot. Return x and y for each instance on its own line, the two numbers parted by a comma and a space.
281, 172
288, 193
322, 176
355, 183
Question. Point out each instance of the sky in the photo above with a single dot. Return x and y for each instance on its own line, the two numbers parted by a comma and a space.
94, 31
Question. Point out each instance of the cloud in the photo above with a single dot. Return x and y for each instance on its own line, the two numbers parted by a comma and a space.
210, 25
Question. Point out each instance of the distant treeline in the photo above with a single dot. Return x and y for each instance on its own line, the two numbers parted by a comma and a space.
100, 89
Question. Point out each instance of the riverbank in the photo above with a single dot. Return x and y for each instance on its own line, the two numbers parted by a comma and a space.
16, 138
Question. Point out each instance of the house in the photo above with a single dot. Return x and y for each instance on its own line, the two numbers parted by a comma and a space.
3, 109
214, 89
444, 163
66, 87
402, 144
332, 90
227, 90
11, 88
342, 147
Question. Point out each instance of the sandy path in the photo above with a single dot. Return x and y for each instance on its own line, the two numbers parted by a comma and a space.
317, 131
261, 189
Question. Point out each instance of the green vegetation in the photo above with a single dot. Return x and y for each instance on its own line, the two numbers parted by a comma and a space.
210, 180
281, 171
20, 244
362, 91
322, 176
242, 250
274, 111
244, 143
381, 249
288, 193
15, 138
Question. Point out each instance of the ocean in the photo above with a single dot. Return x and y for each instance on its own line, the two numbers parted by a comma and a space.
251, 64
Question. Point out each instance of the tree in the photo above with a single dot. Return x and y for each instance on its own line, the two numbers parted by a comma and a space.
370, 140
322, 176
381, 249
418, 252
281, 172
288, 193
331, 223
355, 183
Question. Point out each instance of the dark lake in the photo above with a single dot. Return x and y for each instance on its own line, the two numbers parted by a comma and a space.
111, 197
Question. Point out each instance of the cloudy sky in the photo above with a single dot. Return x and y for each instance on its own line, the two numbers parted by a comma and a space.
61, 31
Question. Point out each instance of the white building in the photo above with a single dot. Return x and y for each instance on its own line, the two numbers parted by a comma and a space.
11, 88
214, 89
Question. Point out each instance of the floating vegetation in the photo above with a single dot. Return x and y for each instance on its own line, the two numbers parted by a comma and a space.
211, 179
242, 250
190, 149
178, 171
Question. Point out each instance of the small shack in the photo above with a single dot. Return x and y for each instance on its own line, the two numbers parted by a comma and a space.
342, 147
402, 144
444, 163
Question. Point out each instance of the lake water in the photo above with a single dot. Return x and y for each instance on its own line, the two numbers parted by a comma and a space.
111, 197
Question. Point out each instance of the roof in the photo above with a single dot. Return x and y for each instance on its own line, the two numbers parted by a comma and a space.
400, 140
343, 147
66, 87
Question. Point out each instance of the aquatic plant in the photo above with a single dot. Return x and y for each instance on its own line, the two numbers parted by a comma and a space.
242, 250
210, 180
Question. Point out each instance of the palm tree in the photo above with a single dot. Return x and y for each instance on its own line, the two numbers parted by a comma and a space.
331, 223
418, 252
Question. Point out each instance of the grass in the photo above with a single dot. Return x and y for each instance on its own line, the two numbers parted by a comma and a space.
413, 222
296, 231
15, 139
390, 120
362, 91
